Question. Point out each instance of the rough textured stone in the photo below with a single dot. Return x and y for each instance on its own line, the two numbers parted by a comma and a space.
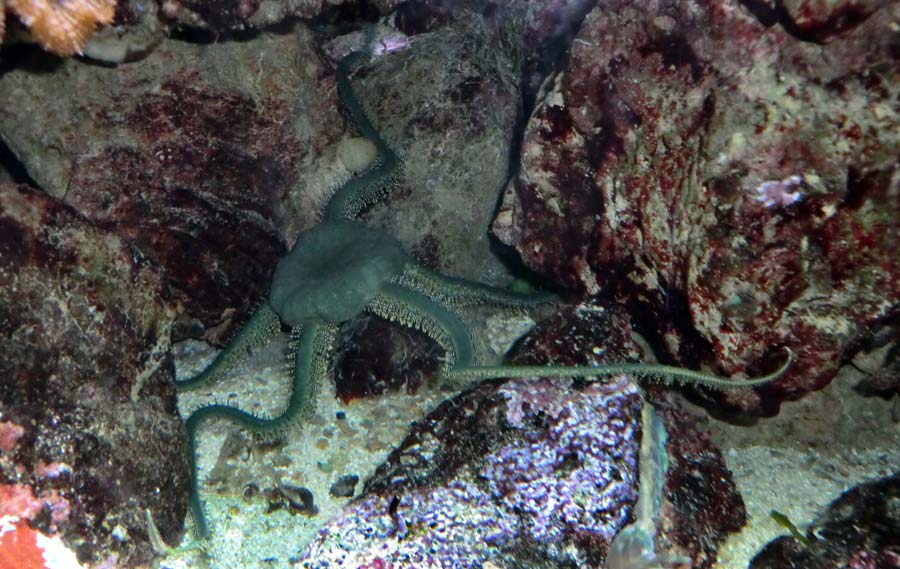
860, 530
235, 15
374, 357
733, 185
134, 33
191, 154
703, 504
446, 103
527, 469
88, 378
817, 20
534, 472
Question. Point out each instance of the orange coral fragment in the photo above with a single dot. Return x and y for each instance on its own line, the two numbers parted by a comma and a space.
19, 548
63, 26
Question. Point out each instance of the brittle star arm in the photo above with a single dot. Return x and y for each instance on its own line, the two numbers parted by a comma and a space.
416, 310
262, 326
460, 293
312, 346
656, 372
357, 194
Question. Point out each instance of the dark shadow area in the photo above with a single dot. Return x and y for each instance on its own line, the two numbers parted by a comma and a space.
14, 167
848, 16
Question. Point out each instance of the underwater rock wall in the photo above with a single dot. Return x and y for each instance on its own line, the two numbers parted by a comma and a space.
734, 185
187, 154
89, 433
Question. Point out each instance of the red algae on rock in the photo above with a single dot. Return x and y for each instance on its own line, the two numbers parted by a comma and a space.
732, 184
84, 353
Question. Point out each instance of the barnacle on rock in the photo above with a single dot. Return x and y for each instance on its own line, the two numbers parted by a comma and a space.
62, 26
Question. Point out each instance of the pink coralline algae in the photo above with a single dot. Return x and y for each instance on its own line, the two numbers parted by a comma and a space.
730, 183
542, 468
19, 501
10, 433
90, 432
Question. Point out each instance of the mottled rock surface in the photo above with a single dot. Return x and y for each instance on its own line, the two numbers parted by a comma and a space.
534, 472
374, 357
446, 103
816, 20
733, 185
703, 505
860, 530
236, 15
522, 470
88, 379
190, 154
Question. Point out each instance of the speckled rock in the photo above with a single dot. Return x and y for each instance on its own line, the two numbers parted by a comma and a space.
530, 469
191, 154
733, 185
860, 530
87, 383
533, 472
702, 504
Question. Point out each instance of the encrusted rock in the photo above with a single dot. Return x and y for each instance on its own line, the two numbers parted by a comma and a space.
190, 154
534, 471
373, 357
528, 468
733, 185
234, 15
89, 432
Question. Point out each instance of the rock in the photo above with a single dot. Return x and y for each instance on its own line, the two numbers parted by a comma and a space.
485, 474
734, 186
345, 486
374, 356
860, 530
446, 103
89, 429
533, 472
235, 15
703, 505
820, 20
135, 32
190, 154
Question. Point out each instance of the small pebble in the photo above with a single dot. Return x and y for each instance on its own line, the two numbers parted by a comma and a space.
345, 486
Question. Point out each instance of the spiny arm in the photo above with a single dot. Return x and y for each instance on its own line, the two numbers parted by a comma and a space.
651, 371
257, 331
410, 308
310, 364
459, 292
357, 194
